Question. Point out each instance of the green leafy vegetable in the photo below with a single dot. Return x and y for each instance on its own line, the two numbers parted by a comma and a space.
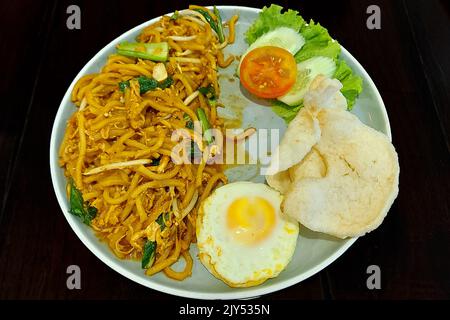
352, 84
208, 18
271, 18
219, 25
190, 125
165, 83
189, 122
123, 85
209, 93
205, 125
318, 42
146, 84
158, 51
163, 217
155, 162
284, 111
212, 23
175, 15
148, 257
195, 152
79, 207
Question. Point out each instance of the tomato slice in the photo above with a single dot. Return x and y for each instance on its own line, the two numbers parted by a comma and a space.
268, 72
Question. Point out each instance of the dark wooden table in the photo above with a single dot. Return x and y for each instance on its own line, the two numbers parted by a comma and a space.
408, 59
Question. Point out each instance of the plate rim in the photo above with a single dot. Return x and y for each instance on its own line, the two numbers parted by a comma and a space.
116, 264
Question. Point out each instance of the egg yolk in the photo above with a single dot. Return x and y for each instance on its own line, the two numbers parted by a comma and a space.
250, 219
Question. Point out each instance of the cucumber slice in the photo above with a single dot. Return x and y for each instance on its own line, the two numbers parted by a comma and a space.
306, 72
282, 37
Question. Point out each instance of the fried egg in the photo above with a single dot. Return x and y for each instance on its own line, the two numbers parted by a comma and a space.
242, 236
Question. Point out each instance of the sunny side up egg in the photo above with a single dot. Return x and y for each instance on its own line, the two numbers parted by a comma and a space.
242, 236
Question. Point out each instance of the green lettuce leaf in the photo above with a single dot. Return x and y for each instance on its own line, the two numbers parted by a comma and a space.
352, 84
271, 18
318, 42
284, 111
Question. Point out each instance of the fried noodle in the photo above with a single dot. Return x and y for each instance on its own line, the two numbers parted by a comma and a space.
112, 139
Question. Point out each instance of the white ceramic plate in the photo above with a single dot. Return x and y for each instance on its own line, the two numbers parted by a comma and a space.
314, 251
